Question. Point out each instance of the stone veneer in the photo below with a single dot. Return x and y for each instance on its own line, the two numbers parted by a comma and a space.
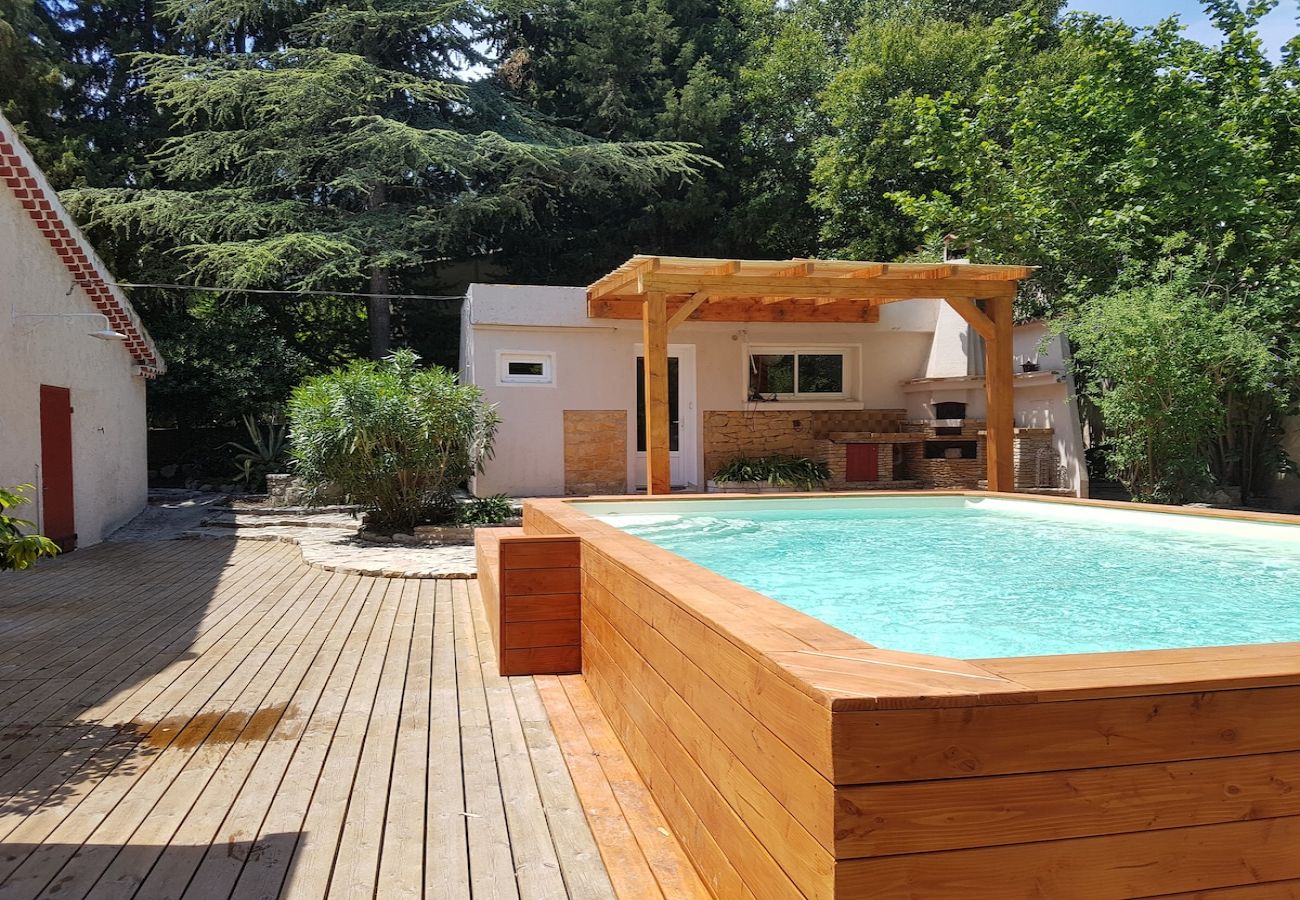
947, 473
834, 454
595, 451
1035, 458
729, 434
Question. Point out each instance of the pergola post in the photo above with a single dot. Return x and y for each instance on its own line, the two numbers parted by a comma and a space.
999, 390
654, 320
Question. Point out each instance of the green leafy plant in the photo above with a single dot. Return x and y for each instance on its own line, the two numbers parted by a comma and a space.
797, 471
18, 550
398, 438
263, 455
486, 510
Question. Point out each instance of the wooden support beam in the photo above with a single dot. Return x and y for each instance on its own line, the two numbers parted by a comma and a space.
974, 316
940, 270
794, 270
684, 311
623, 279
658, 477
1000, 393
884, 290
747, 309
874, 270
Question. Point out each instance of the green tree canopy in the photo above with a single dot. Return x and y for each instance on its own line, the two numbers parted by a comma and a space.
337, 146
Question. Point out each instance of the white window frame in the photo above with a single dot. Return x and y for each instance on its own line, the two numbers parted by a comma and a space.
506, 357
848, 360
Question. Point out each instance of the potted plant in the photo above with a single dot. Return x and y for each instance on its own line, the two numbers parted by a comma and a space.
1029, 366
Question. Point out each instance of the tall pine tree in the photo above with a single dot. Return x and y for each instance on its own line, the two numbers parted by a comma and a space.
340, 146
658, 70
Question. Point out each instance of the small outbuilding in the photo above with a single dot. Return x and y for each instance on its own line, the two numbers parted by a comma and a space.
74, 359
753, 358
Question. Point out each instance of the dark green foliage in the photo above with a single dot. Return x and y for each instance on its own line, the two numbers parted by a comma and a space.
1156, 181
19, 550
649, 70
337, 147
396, 438
224, 362
486, 510
794, 471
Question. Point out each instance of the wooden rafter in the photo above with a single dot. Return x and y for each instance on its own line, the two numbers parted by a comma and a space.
665, 291
973, 316
883, 290
640, 275
747, 309
683, 312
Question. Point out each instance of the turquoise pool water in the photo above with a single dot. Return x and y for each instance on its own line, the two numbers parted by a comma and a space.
975, 578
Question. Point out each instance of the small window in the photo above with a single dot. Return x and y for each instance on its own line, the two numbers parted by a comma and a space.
795, 374
525, 368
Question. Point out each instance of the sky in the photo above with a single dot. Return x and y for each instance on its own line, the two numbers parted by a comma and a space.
1276, 28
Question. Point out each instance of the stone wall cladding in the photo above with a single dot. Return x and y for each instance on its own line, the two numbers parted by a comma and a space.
1034, 452
729, 434
835, 455
595, 451
947, 473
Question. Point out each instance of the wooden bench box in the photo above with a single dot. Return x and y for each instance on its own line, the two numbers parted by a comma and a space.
530, 586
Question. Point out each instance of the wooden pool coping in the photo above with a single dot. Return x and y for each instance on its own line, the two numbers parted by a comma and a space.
842, 673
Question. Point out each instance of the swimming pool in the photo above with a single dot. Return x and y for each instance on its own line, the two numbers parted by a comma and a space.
978, 577
792, 758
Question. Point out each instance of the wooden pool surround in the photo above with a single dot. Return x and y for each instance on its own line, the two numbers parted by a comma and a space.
792, 759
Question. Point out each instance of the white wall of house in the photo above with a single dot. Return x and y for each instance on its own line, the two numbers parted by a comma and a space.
108, 398
595, 369
1286, 493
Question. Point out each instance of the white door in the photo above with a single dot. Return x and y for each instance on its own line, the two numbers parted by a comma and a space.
682, 417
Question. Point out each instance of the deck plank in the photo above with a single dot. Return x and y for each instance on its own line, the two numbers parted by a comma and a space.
213, 720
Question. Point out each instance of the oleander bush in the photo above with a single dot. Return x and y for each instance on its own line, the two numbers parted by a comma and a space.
399, 439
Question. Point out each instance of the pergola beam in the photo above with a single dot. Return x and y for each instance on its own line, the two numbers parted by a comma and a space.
684, 311
746, 309
974, 316
883, 290
665, 291
658, 462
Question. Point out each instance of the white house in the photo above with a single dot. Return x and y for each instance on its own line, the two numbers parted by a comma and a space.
895, 403
73, 363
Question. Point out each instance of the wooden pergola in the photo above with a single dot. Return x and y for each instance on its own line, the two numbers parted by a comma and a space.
665, 291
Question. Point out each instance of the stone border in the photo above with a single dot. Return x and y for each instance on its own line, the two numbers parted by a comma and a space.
335, 549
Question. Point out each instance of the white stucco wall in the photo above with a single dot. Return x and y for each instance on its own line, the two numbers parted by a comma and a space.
595, 369
1286, 493
108, 399
1044, 399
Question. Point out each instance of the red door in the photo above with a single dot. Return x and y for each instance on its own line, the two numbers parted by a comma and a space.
59, 523
861, 462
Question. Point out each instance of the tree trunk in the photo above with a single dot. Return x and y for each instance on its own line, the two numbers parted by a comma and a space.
379, 310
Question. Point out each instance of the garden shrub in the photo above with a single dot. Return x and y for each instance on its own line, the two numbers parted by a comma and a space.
397, 438
19, 550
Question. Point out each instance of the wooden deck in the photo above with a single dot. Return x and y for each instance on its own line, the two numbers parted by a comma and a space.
216, 719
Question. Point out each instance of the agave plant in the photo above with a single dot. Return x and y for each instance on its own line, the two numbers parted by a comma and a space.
263, 454
18, 550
